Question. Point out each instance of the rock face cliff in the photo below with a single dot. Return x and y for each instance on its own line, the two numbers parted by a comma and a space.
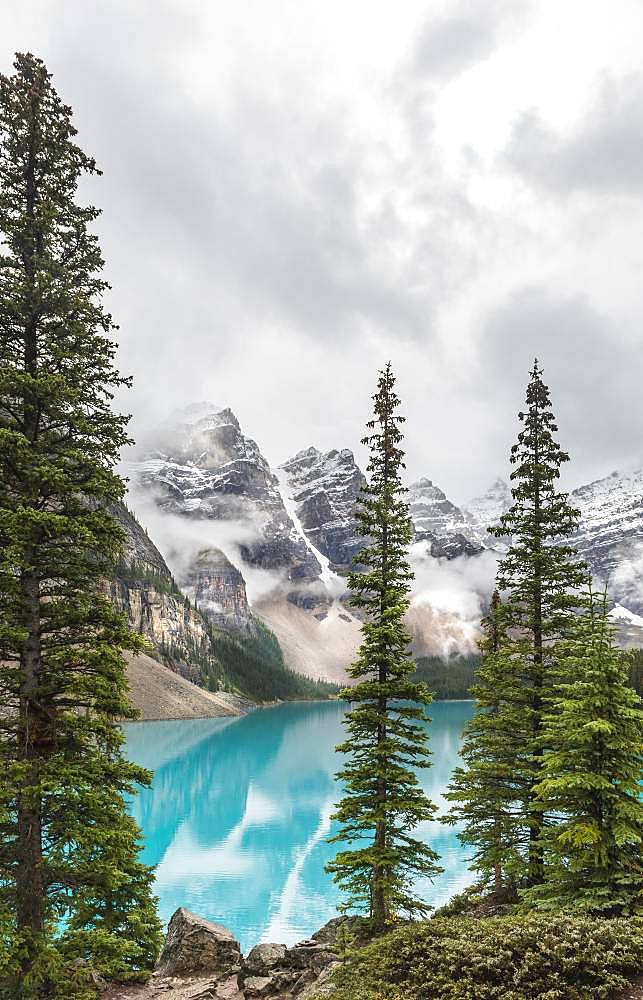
447, 531
325, 488
143, 588
219, 591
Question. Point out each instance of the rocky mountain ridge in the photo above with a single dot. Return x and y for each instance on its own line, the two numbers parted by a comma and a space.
269, 541
325, 488
209, 636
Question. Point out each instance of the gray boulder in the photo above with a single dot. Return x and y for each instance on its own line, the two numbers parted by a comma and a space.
195, 945
265, 957
310, 955
259, 986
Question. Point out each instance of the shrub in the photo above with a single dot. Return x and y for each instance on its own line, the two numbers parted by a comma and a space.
533, 957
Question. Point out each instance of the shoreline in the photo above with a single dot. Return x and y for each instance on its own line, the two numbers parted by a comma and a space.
250, 706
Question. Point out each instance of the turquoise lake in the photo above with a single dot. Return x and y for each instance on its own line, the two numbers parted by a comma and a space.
237, 818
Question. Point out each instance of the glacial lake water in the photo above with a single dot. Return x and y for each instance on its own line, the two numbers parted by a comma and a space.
237, 819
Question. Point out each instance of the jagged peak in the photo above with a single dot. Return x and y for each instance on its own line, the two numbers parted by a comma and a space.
310, 452
424, 485
198, 414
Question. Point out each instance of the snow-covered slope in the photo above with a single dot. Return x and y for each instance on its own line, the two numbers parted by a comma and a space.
484, 510
610, 537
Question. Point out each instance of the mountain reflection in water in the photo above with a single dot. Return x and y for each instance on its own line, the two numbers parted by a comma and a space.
238, 815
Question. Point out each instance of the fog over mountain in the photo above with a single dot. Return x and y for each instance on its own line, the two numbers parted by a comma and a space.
294, 194
250, 542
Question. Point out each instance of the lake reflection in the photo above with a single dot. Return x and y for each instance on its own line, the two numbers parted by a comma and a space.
239, 813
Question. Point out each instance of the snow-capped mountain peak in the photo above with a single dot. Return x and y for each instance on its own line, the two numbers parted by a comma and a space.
438, 521
486, 508
325, 488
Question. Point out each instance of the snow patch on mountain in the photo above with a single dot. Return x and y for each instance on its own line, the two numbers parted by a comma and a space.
621, 614
484, 512
610, 536
335, 584
325, 489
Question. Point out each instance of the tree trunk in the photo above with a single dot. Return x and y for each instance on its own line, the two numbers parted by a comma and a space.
30, 889
379, 911
535, 818
32, 730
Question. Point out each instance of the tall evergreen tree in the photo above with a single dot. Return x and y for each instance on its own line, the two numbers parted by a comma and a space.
386, 742
65, 836
591, 775
539, 580
486, 791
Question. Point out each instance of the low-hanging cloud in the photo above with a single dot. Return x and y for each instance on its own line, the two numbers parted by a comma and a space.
449, 597
181, 539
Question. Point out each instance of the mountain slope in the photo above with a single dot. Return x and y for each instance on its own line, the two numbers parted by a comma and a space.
611, 534
186, 641
440, 523
325, 488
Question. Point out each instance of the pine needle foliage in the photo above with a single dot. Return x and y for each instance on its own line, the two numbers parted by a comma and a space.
485, 790
386, 741
539, 579
591, 775
68, 849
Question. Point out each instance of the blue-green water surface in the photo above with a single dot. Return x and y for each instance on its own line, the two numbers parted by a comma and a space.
237, 819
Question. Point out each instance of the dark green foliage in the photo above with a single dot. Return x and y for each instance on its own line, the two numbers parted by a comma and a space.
385, 743
254, 666
251, 666
449, 677
62, 673
591, 776
486, 791
132, 572
636, 670
535, 957
539, 581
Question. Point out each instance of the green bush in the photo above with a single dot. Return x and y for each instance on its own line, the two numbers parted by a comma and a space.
533, 957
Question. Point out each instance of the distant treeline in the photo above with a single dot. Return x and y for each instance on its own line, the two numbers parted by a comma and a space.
255, 666
449, 677
452, 677
252, 666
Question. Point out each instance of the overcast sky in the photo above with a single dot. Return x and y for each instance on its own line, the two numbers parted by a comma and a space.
295, 191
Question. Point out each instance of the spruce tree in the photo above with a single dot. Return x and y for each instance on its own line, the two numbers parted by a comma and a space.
591, 775
539, 579
486, 790
383, 800
65, 836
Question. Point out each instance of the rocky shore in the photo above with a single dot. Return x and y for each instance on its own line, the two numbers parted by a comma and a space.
202, 960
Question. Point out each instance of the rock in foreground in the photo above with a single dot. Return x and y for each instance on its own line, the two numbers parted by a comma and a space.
194, 945
202, 960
